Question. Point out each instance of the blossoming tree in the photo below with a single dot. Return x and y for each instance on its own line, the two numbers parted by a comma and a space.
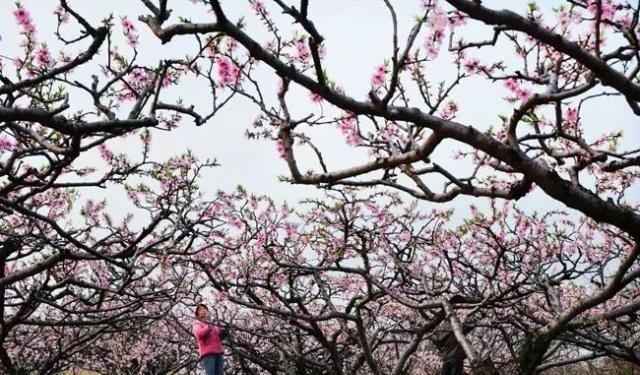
351, 283
370, 284
568, 58
75, 270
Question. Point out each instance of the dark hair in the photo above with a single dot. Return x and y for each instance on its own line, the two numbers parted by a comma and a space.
199, 307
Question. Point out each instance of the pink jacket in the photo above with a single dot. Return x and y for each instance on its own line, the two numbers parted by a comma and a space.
208, 337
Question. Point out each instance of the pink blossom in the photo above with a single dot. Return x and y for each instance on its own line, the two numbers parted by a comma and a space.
212, 210
432, 51
433, 43
571, 115
212, 46
43, 57
523, 94
290, 230
228, 71
232, 44
18, 63
472, 66
281, 149
389, 132
6, 144
349, 129
458, 19
253, 202
625, 21
126, 94
378, 77
132, 40
284, 211
128, 25
436, 23
405, 236
564, 18
92, 210
511, 84
450, 110
315, 98
62, 14
261, 240
438, 20
608, 10
173, 121
236, 223
302, 51
24, 20
139, 77
105, 153
134, 196
130, 32
270, 46
167, 80
257, 6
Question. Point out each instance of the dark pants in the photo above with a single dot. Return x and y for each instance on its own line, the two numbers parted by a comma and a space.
213, 364
452, 367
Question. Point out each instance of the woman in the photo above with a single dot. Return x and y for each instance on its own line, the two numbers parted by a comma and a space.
209, 338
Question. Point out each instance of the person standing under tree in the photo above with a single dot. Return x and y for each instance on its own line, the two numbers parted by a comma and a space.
209, 338
453, 355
